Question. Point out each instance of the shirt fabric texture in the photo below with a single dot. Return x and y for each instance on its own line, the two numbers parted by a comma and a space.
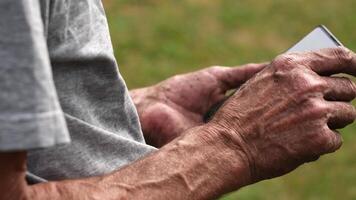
62, 97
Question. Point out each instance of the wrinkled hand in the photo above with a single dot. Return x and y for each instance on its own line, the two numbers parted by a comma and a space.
287, 114
179, 103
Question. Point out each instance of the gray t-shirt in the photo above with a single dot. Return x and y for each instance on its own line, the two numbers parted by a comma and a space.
59, 83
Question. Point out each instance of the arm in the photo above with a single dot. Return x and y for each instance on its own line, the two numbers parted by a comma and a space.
187, 168
280, 119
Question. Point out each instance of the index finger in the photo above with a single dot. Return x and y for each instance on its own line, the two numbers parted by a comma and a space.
330, 61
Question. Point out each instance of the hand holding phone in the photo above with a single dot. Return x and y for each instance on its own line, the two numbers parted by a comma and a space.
318, 38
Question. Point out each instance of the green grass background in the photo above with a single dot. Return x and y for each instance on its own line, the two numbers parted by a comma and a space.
155, 39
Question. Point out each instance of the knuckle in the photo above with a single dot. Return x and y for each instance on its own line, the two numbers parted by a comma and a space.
324, 143
344, 55
312, 82
317, 85
333, 142
254, 65
319, 143
352, 112
348, 111
307, 83
284, 62
215, 69
317, 107
350, 84
176, 77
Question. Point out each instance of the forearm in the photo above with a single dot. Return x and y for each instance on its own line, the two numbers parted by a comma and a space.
190, 167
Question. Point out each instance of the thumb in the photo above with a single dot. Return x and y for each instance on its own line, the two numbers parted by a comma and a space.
233, 77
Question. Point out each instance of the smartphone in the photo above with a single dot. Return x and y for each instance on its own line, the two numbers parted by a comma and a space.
318, 38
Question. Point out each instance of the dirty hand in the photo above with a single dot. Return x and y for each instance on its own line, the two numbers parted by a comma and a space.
287, 114
179, 103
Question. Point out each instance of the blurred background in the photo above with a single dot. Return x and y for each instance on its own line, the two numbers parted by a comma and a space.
155, 39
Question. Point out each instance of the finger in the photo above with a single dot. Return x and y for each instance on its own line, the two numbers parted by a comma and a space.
334, 141
339, 89
321, 142
330, 61
233, 77
341, 115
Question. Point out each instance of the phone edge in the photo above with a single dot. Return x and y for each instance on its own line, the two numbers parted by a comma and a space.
331, 36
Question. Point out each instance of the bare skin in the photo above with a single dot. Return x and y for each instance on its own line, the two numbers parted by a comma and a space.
169, 108
296, 122
281, 118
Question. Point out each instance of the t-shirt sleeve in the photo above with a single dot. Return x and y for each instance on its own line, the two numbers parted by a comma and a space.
30, 114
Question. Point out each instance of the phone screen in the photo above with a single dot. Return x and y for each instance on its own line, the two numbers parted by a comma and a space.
319, 38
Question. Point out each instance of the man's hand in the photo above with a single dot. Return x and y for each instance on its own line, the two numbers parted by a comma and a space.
178, 103
287, 114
